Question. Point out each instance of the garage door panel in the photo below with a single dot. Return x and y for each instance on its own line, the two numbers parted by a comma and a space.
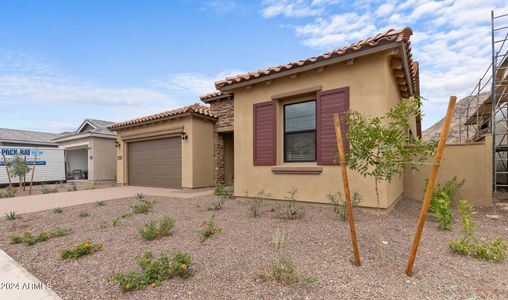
155, 163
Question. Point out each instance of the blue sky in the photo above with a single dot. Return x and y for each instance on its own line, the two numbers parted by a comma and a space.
63, 61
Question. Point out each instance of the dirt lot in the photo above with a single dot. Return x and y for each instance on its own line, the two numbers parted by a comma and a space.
60, 187
226, 265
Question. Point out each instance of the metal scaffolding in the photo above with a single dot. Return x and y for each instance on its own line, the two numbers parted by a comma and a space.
487, 105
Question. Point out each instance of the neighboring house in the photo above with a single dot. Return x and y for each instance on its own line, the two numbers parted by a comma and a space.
25, 138
170, 149
273, 129
89, 151
282, 118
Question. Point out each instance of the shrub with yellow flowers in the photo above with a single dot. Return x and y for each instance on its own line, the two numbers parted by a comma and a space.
154, 271
80, 250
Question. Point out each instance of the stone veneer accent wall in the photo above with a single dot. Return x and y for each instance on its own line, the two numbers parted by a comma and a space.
224, 110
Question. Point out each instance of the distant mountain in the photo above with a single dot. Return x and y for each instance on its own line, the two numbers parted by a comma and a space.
433, 132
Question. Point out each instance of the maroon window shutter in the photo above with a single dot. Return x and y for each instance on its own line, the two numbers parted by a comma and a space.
265, 134
328, 103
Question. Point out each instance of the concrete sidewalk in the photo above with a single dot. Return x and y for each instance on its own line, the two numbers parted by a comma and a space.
16, 283
27, 204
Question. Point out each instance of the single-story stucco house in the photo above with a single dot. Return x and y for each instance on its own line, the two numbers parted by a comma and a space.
90, 152
169, 149
273, 129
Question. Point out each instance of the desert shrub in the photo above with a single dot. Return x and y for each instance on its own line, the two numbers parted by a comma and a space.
216, 204
290, 210
103, 225
469, 244
9, 193
58, 232
84, 214
58, 210
11, 216
180, 264
139, 196
282, 269
94, 184
339, 203
100, 203
80, 250
48, 190
440, 203
224, 190
29, 239
73, 187
142, 207
208, 229
118, 220
150, 231
154, 271
256, 203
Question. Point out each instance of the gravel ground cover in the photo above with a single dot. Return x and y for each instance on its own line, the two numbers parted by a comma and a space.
227, 265
60, 187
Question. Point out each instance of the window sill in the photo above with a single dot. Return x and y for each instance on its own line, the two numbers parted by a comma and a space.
305, 170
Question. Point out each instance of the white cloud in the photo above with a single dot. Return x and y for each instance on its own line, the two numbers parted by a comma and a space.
221, 7
298, 8
451, 38
194, 83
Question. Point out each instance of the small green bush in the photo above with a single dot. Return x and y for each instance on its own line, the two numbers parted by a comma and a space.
208, 229
11, 216
80, 250
154, 271
440, 203
118, 220
100, 203
139, 196
470, 244
9, 193
58, 210
339, 203
73, 187
84, 214
282, 269
150, 231
143, 207
256, 203
217, 204
224, 190
103, 225
291, 210
47, 190
30, 239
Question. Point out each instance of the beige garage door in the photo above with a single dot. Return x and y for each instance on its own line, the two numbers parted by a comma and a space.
156, 163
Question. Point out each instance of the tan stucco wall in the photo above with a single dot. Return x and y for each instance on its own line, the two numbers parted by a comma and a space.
104, 158
372, 91
471, 162
196, 150
202, 152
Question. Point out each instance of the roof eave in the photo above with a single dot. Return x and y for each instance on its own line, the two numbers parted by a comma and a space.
84, 135
316, 65
192, 114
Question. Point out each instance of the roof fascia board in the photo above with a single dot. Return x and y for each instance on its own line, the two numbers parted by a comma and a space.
406, 69
313, 66
27, 142
187, 114
85, 135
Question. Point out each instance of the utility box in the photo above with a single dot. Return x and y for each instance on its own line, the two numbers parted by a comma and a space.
49, 165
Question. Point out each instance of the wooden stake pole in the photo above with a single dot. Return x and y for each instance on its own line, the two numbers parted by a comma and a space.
349, 206
430, 186
7, 170
33, 172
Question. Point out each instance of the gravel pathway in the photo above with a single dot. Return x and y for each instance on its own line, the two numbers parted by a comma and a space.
228, 263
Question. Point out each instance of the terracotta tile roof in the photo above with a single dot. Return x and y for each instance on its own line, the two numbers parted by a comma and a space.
214, 96
195, 108
389, 36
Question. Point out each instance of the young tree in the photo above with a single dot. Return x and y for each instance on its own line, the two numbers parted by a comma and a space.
19, 167
380, 147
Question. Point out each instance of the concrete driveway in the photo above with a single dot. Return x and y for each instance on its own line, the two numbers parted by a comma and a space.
27, 204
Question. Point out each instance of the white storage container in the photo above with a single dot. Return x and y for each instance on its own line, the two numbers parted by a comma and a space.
50, 163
